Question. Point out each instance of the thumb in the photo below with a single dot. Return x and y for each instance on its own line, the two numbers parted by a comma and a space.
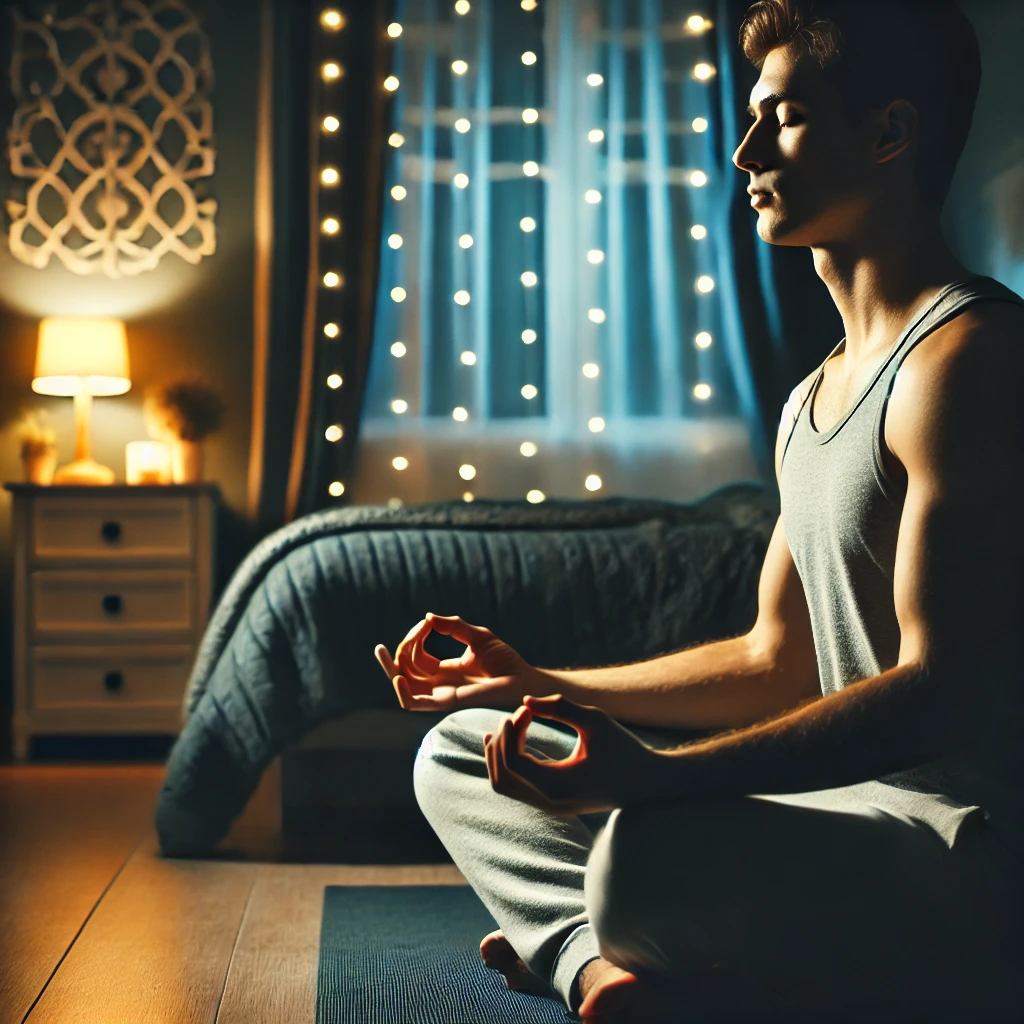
559, 707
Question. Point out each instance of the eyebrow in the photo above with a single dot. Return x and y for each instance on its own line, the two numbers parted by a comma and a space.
773, 99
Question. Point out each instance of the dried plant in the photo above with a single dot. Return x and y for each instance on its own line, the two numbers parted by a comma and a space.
34, 432
184, 410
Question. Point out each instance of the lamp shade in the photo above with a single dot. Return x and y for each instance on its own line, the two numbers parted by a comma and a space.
81, 353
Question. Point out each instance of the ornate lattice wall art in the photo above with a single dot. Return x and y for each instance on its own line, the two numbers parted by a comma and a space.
113, 133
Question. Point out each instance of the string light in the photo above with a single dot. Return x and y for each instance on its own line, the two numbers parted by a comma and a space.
399, 405
398, 193
332, 19
462, 6
529, 278
460, 67
702, 72
700, 124
462, 297
702, 392
705, 284
529, 58
703, 340
400, 462
595, 256
467, 495
529, 336
394, 30
534, 497
595, 80
531, 168
591, 370
396, 139
528, 448
330, 176
398, 294
592, 196
528, 224
391, 83
466, 241
467, 472
460, 414
395, 503
463, 125
395, 241
595, 135
468, 358
697, 23
530, 115
597, 316
398, 349
333, 433
699, 231
528, 5
331, 71
528, 391
336, 489
331, 226
331, 279
332, 330
460, 180
334, 381
698, 179
593, 482
596, 424
331, 123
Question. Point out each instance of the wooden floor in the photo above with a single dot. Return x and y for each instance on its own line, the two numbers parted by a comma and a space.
97, 928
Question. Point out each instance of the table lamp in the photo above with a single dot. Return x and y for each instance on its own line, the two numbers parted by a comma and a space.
82, 357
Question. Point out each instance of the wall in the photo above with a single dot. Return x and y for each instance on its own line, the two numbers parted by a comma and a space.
180, 318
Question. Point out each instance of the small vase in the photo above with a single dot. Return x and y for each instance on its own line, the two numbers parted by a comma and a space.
186, 462
40, 467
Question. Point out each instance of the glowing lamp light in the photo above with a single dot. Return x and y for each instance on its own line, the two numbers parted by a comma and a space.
529, 57
467, 472
334, 381
702, 72
460, 67
702, 392
330, 71
331, 226
332, 280
528, 224
591, 370
395, 241
596, 316
461, 180
333, 433
529, 336
698, 179
463, 125
462, 6
593, 482
697, 23
395, 503
336, 489
595, 135
461, 297
399, 405
391, 83
467, 495
330, 176
530, 115
400, 462
528, 391
394, 30
531, 168
332, 330
332, 19
396, 139
398, 193
534, 497
703, 340
700, 124
596, 424
595, 256
460, 414
592, 196
466, 241
398, 349
705, 284
528, 5
147, 462
529, 278
698, 231
398, 294
468, 358
528, 448
331, 123
595, 80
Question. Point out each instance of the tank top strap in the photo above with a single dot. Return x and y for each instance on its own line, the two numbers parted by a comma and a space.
795, 405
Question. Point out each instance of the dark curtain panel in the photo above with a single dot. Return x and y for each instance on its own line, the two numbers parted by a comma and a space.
300, 357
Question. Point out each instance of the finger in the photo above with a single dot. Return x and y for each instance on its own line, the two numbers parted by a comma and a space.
456, 626
424, 661
386, 661
561, 709
508, 782
403, 654
441, 699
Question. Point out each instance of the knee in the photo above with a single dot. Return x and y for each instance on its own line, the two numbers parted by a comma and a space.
455, 743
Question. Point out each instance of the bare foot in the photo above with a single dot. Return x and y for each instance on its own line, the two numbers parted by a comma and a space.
612, 995
498, 954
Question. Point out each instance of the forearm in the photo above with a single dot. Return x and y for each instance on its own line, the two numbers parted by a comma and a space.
723, 685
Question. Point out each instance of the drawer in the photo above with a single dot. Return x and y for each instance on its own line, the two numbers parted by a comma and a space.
88, 527
64, 677
111, 604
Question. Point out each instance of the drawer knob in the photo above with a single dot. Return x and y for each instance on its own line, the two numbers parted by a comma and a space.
112, 604
111, 531
113, 681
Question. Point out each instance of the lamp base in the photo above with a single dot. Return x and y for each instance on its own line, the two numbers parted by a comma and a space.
84, 471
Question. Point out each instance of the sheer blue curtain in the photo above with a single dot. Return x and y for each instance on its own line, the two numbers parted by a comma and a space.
552, 318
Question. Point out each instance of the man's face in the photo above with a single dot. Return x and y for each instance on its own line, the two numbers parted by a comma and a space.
817, 168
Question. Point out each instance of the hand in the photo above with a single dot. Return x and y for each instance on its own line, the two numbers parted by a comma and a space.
489, 674
608, 768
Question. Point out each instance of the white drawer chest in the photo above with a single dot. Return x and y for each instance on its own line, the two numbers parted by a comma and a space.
112, 592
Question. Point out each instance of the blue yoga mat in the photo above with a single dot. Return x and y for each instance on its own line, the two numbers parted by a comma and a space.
411, 955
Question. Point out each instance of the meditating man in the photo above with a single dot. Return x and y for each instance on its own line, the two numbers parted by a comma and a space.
844, 840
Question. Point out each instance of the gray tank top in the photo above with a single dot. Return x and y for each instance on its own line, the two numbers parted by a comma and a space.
841, 513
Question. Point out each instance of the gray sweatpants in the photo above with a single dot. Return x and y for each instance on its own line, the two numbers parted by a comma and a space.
821, 904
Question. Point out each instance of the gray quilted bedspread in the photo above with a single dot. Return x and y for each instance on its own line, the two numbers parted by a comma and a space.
569, 584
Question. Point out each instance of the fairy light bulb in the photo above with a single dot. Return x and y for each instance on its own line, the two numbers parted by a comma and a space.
595, 80
592, 196
463, 125
703, 340
593, 482
332, 330
460, 67
528, 5
399, 405
528, 58
331, 279
398, 294
396, 139
394, 30
330, 176
702, 72
468, 358
529, 278
331, 226
702, 392
596, 424
400, 462
336, 489
395, 241
466, 241
530, 115
467, 496
398, 193
534, 497
531, 168
334, 381
462, 297
595, 256
461, 180
591, 370
528, 448
332, 19
528, 391
460, 414
529, 336
596, 316
467, 472
698, 231
330, 71
697, 23
705, 284
462, 6
333, 433
395, 503
700, 124
391, 83
698, 179
528, 224
330, 124
595, 135
398, 349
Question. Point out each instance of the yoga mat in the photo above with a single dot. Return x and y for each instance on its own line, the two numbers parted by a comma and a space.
410, 954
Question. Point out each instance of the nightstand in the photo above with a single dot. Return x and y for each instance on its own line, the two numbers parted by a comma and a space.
112, 591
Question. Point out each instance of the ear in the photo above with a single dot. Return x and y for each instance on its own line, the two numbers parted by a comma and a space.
898, 126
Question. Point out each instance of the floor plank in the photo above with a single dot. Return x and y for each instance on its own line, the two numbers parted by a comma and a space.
272, 978
65, 832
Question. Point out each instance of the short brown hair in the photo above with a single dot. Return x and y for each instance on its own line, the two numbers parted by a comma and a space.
876, 51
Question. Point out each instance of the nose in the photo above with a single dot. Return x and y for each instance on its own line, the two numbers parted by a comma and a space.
745, 157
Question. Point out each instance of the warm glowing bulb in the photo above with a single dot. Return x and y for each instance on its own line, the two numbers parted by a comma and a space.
330, 71
699, 231
460, 180
395, 241
333, 433
331, 123
462, 297
336, 489
531, 168
331, 279
460, 414
528, 391
596, 424
529, 278
703, 72
394, 30
395, 503
466, 241
399, 405
703, 340
391, 83
330, 176
530, 115
396, 139
463, 125
467, 495
595, 135
460, 67
592, 196
700, 124
534, 497
467, 472
334, 381
468, 358
697, 23
332, 330
398, 294
595, 80
595, 256
698, 179
398, 349
398, 193
597, 316
528, 224
702, 392
528, 448
462, 6
528, 5
593, 482
591, 370
529, 336
529, 58
705, 284
332, 19
331, 226
400, 462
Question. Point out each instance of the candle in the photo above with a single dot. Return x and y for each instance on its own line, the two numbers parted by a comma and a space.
147, 462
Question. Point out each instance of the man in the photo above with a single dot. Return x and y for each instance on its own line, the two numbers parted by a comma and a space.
850, 842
